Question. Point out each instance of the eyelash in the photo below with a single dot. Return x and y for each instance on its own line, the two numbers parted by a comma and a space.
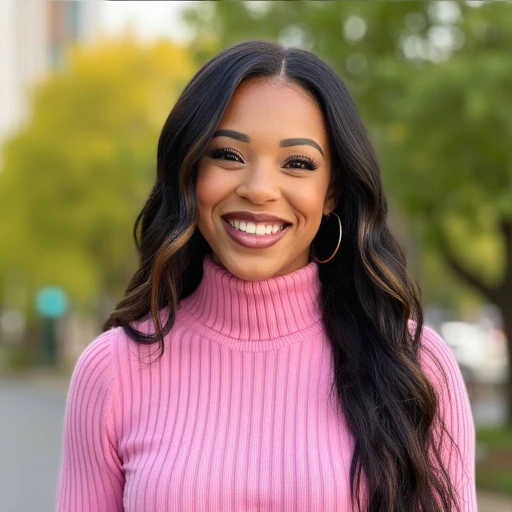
219, 153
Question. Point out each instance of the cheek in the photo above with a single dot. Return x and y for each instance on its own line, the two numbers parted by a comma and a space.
209, 186
308, 201
201, 183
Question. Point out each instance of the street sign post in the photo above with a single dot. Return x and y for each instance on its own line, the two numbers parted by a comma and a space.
51, 303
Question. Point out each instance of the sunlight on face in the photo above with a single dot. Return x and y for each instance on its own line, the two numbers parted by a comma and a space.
270, 155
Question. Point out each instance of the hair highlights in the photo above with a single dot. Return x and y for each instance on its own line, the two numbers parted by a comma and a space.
367, 298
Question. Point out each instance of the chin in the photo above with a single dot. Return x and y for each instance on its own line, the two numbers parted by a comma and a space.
251, 274
248, 271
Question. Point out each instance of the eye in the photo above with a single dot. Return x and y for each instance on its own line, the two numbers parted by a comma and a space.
301, 162
228, 154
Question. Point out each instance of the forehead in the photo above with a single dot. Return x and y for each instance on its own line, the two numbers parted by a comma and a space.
273, 106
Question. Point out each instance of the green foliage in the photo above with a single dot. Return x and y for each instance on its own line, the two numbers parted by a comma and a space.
495, 437
452, 166
14, 359
494, 466
432, 81
75, 177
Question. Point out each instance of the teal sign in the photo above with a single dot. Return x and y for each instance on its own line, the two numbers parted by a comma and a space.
51, 301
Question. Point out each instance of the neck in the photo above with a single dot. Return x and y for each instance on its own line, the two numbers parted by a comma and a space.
255, 310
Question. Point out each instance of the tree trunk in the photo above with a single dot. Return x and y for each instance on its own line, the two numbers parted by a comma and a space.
506, 311
500, 295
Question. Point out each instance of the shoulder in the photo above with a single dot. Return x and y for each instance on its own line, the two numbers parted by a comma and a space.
94, 369
102, 350
96, 355
116, 359
102, 370
93, 388
435, 356
440, 366
105, 362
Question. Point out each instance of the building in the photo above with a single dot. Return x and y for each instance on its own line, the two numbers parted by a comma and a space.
33, 37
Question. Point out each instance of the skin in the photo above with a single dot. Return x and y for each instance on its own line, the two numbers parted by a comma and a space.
260, 176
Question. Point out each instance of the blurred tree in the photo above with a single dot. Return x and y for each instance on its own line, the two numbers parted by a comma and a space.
432, 81
75, 177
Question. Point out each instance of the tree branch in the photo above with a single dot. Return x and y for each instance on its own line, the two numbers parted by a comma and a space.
460, 271
506, 231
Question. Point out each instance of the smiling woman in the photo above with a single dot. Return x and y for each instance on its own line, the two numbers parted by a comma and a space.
261, 179
284, 381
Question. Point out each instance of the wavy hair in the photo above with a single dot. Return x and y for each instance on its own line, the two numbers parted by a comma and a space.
390, 405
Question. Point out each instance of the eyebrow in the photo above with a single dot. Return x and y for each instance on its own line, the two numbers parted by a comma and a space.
300, 142
233, 134
283, 144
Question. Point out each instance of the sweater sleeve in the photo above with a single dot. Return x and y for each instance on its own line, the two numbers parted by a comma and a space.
91, 476
441, 367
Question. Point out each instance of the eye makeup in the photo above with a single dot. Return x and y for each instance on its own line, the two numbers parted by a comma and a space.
224, 153
306, 162
299, 162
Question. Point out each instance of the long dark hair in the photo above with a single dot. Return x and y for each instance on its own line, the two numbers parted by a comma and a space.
367, 298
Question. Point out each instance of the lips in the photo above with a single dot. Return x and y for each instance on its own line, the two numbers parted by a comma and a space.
255, 217
253, 241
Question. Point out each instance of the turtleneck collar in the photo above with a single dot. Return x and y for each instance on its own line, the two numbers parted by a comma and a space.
255, 310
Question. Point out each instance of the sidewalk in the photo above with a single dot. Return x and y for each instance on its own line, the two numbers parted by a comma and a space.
488, 502
40, 378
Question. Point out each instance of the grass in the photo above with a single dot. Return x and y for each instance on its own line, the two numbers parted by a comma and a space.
494, 463
13, 359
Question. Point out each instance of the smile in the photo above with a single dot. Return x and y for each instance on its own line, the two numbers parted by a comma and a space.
254, 235
254, 228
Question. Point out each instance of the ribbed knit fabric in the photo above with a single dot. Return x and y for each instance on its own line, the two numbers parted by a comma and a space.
236, 415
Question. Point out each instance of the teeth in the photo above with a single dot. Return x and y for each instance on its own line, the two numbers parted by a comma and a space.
256, 229
261, 229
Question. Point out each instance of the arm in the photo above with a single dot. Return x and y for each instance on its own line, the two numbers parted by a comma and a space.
91, 476
454, 408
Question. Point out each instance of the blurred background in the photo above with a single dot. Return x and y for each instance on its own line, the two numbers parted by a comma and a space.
85, 87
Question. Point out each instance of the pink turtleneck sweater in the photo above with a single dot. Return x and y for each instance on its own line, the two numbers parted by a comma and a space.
235, 416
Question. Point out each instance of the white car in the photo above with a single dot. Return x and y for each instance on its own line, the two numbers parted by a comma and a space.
480, 351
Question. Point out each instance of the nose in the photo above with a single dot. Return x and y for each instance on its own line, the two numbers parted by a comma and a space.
259, 185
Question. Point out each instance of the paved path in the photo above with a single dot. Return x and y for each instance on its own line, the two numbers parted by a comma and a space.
493, 503
30, 446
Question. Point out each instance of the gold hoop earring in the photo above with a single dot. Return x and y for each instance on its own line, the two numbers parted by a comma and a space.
337, 246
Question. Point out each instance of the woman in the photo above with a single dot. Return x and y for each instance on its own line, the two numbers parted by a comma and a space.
269, 353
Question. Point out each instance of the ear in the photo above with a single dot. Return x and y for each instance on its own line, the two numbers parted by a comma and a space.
330, 202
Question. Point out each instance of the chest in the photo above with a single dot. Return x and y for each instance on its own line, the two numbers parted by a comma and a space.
256, 435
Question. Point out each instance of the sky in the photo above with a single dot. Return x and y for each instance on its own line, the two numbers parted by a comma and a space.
149, 19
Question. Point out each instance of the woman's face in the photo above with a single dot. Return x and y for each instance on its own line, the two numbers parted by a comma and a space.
270, 155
